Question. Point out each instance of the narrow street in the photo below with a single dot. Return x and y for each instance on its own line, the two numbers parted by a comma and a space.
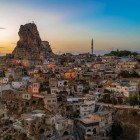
118, 106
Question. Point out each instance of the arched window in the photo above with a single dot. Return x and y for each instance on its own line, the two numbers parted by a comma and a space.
65, 133
89, 130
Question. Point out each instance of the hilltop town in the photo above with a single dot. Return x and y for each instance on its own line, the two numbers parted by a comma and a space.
44, 96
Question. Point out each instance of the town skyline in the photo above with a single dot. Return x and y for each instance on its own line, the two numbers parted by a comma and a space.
69, 70
70, 29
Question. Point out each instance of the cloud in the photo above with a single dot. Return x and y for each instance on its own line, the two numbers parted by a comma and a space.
13, 43
2, 28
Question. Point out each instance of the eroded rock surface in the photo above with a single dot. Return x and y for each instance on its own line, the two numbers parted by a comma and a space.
30, 45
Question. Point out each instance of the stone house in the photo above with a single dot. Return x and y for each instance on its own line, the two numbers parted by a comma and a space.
34, 88
86, 108
50, 102
95, 124
63, 126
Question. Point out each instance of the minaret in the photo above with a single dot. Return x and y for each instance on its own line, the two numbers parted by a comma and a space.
92, 46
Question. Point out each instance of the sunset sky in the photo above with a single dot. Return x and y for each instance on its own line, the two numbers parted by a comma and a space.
69, 25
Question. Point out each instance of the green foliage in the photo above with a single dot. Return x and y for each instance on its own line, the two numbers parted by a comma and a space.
134, 112
107, 91
8, 137
43, 87
2, 73
116, 130
24, 72
65, 59
106, 98
126, 74
133, 100
120, 100
86, 89
75, 114
11, 78
138, 59
40, 72
121, 53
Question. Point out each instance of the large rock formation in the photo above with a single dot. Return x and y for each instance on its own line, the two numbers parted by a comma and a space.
30, 45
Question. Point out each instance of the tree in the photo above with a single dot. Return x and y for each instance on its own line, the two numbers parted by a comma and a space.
116, 130
11, 78
40, 72
121, 53
107, 91
133, 100
126, 74
8, 137
106, 98
43, 87
86, 89
139, 99
24, 72
2, 73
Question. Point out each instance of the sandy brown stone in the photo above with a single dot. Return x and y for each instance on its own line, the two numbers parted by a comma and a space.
30, 45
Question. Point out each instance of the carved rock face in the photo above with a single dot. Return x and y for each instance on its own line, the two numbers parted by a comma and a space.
30, 45
29, 33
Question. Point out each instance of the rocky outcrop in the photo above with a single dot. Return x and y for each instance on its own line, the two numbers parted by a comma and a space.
30, 45
130, 123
